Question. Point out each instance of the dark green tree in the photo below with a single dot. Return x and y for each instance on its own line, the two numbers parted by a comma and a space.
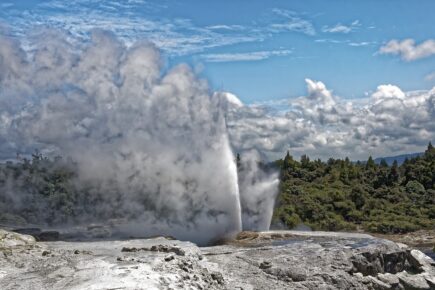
370, 164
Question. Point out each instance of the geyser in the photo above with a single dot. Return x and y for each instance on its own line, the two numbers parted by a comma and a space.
150, 145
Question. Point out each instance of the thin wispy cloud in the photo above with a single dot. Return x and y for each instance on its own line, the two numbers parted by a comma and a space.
327, 40
293, 22
175, 36
408, 50
225, 27
362, 43
341, 28
246, 56
346, 41
296, 24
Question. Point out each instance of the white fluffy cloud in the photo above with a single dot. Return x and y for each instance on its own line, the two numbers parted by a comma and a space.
408, 50
320, 124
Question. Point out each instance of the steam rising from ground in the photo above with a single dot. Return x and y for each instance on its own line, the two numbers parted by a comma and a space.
258, 190
152, 143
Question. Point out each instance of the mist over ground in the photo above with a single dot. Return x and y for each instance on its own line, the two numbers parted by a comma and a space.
151, 145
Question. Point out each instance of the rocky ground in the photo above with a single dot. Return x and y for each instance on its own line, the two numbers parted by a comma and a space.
268, 260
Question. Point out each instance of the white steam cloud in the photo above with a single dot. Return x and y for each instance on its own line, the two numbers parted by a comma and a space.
153, 143
258, 190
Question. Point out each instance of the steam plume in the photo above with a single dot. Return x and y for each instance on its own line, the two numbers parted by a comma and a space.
152, 143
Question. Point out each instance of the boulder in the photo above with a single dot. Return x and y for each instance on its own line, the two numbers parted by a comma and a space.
389, 278
376, 283
413, 282
11, 239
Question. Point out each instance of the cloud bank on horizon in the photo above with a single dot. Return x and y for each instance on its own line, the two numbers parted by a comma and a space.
323, 125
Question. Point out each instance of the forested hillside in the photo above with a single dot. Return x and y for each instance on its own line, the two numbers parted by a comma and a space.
342, 195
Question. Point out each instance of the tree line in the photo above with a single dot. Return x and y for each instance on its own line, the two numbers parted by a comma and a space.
342, 195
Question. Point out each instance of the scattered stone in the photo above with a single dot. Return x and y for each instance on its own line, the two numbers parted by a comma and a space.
45, 253
131, 250
169, 258
167, 249
217, 277
265, 265
184, 268
157, 248
76, 252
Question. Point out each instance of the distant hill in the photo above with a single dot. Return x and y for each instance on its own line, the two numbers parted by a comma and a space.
400, 158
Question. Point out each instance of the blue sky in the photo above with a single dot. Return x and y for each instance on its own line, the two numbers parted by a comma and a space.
259, 50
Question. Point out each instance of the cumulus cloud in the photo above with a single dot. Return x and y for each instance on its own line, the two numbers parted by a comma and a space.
153, 144
321, 124
408, 50
387, 92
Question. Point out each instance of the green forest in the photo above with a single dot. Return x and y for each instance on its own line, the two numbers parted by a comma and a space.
342, 195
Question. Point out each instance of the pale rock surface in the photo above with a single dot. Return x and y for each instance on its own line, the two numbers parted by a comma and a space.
267, 260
